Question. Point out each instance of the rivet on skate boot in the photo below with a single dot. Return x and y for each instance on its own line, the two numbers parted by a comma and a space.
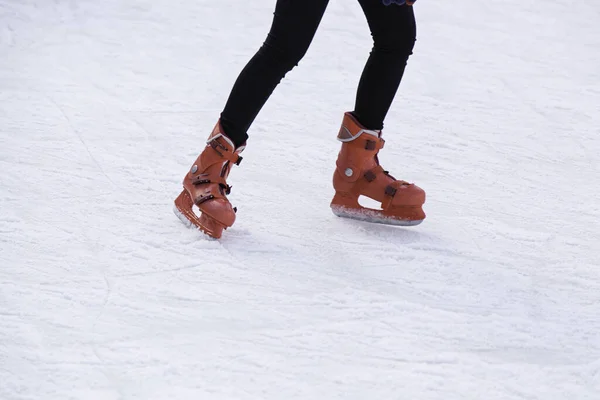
194, 169
349, 172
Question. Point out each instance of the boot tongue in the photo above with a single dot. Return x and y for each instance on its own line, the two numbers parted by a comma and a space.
346, 134
351, 129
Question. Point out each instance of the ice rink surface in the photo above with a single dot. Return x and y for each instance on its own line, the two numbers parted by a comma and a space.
105, 295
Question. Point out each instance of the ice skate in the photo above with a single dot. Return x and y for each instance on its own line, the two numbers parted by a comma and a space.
358, 173
205, 187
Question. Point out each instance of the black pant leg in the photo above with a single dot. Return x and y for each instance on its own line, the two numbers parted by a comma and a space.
294, 26
394, 33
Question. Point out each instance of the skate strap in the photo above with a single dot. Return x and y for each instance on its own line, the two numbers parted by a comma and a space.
371, 174
225, 152
202, 199
374, 145
225, 188
202, 180
390, 192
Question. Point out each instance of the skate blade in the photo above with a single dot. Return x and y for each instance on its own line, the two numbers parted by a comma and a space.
183, 209
373, 216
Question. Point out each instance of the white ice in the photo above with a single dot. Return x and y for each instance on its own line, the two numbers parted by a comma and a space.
105, 295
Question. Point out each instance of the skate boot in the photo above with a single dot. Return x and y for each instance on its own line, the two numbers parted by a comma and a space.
205, 186
358, 173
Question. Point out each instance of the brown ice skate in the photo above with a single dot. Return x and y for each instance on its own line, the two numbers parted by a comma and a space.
205, 186
358, 173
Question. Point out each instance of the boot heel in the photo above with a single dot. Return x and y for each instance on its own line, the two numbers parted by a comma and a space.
345, 199
184, 210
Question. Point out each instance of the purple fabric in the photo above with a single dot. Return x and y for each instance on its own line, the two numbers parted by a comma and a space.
399, 2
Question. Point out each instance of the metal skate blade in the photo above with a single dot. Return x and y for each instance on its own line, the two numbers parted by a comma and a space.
373, 216
189, 224
182, 217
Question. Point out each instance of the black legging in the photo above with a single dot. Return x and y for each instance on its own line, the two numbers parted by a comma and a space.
294, 26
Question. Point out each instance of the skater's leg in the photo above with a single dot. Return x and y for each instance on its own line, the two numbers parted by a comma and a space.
394, 31
205, 185
358, 172
292, 31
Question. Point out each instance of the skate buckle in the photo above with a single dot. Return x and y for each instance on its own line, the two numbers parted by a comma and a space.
198, 181
390, 191
370, 176
203, 199
216, 146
